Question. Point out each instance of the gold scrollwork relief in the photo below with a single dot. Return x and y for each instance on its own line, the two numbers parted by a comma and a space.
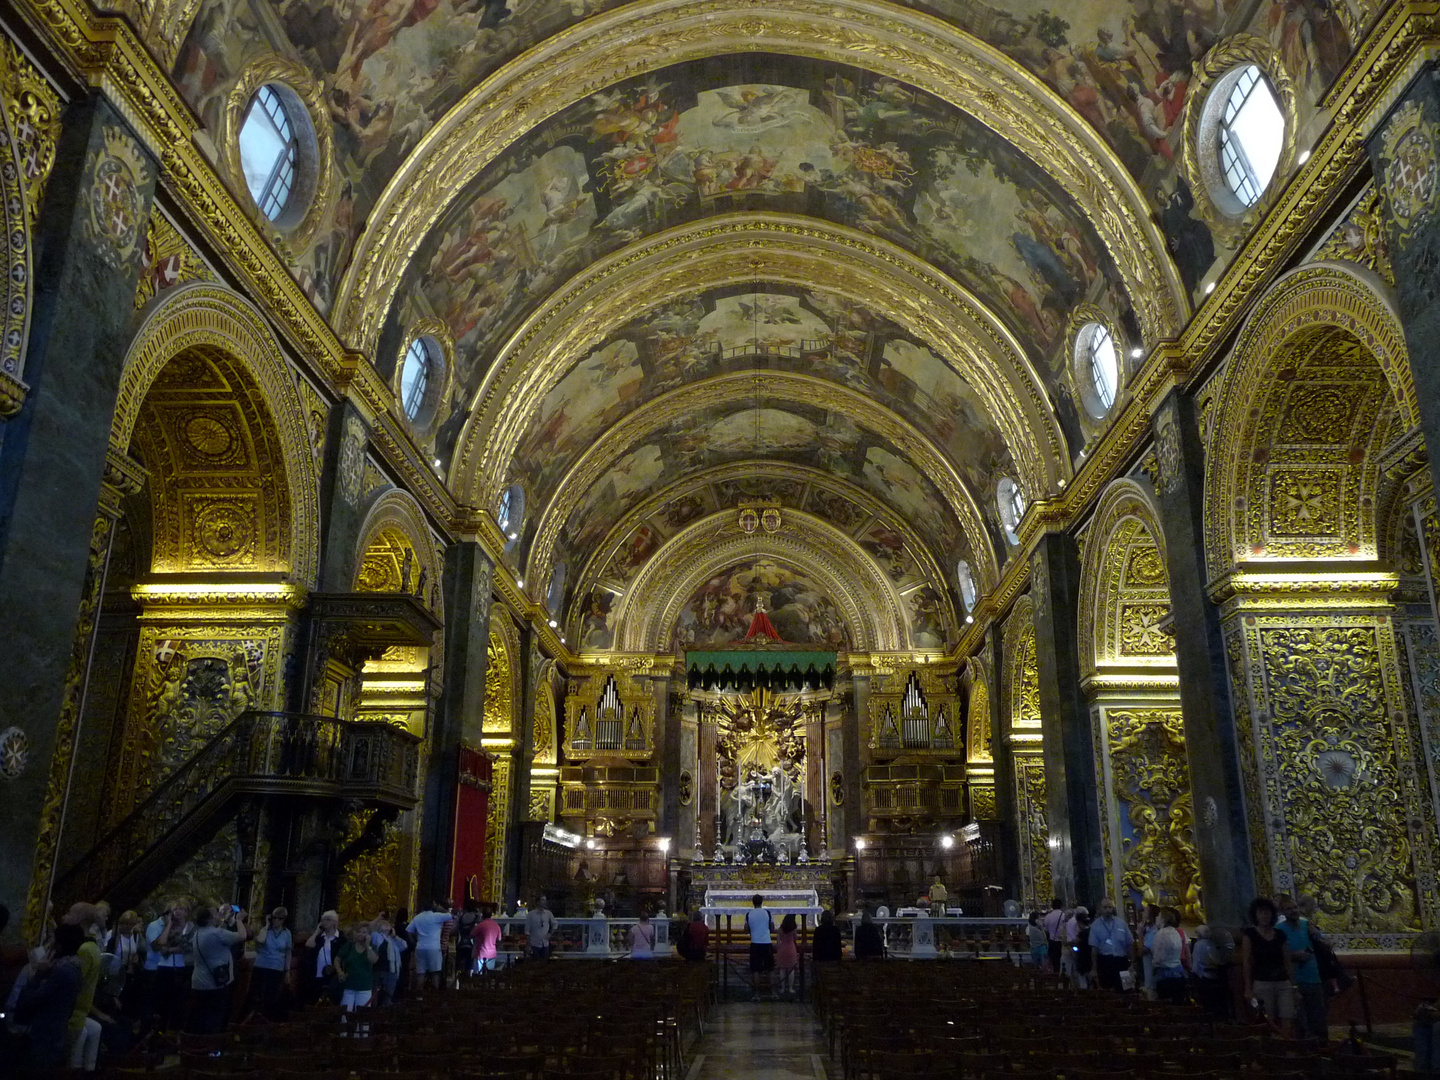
1150, 782
1335, 757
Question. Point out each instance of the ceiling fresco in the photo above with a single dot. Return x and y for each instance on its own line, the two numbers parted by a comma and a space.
714, 333
390, 69
734, 431
720, 610
756, 133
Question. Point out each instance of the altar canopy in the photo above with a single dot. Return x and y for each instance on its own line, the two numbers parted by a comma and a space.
760, 660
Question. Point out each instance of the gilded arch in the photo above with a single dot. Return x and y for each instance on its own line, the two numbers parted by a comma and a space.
778, 387
397, 511
907, 46
204, 316
1322, 365
780, 248
873, 610
1124, 586
823, 495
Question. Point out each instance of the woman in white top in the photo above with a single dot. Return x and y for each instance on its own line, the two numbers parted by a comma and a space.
642, 939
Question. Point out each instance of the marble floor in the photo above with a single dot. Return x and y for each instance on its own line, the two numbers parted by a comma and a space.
764, 1040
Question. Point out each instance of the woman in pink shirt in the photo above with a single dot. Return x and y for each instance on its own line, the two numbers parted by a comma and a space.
486, 936
787, 956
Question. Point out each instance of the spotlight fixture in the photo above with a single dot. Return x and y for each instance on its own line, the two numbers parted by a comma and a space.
859, 843
1209, 288
437, 463
665, 844
969, 618
947, 841
553, 624
1304, 157
519, 582
514, 536
590, 844
1136, 353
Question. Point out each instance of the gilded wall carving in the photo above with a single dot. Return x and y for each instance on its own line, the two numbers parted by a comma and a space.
1319, 383
375, 880
499, 685
1361, 238
29, 128
190, 681
497, 829
207, 877
1034, 830
1150, 783
979, 736
544, 735
1341, 811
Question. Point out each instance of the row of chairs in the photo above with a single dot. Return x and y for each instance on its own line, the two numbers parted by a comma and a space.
990, 1020
602, 1021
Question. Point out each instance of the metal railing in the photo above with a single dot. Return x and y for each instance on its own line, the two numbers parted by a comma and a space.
260, 753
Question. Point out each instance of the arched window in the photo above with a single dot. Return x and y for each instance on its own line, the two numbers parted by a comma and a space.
965, 578
1010, 501
1252, 135
1098, 365
512, 512
269, 150
416, 376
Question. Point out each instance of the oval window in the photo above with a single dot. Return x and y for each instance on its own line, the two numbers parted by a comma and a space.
512, 512
1252, 135
965, 578
1098, 365
1010, 501
270, 149
417, 376
556, 593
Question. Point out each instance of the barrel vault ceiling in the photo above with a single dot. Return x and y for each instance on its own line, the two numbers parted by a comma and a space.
827, 256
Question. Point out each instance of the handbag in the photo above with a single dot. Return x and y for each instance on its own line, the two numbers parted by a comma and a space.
1331, 970
220, 976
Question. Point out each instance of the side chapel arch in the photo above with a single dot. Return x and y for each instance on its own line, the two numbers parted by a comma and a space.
1129, 672
1318, 390
1319, 383
204, 316
398, 513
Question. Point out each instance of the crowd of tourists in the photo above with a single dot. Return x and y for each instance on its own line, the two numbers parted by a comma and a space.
1279, 963
98, 983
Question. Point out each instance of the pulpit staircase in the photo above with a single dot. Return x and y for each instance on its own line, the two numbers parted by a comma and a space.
262, 754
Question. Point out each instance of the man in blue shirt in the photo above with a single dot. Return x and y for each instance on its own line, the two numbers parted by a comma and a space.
1112, 941
1313, 1021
